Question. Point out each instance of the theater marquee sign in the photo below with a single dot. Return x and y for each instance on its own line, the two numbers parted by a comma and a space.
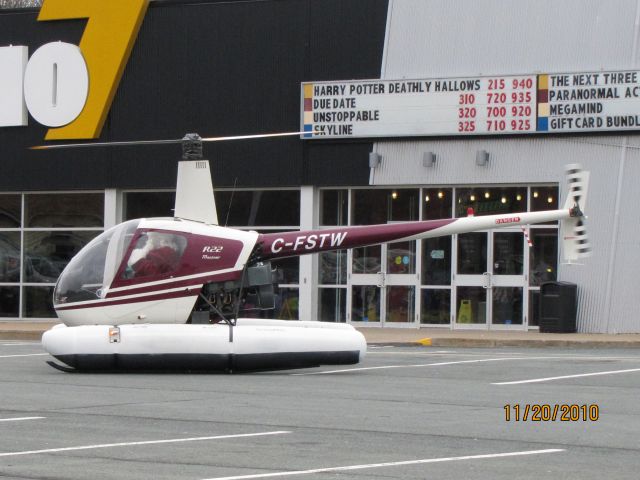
492, 105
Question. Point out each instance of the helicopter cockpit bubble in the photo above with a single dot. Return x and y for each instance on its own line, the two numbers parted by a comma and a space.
91, 271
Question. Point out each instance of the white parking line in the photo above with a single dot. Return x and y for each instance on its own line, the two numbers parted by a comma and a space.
149, 442
548, 379
500, 354
386, 367
389, 464
24, 355
13, 344
19, 419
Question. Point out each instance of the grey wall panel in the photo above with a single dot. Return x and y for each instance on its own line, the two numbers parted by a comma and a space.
542, 160
469, 37
624, 252
448, 38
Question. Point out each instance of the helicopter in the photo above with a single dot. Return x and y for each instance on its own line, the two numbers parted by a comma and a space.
167, 293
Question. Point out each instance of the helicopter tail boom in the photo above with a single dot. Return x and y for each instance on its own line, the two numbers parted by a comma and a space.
571, 217
286, 244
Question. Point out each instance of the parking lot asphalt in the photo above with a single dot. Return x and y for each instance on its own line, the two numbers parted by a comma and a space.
403, 413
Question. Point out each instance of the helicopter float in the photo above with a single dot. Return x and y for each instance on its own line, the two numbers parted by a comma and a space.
166, 293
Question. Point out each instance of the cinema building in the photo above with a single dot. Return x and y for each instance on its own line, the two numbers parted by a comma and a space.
410, 110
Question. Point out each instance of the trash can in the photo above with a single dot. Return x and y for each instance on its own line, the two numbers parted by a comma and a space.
558, 307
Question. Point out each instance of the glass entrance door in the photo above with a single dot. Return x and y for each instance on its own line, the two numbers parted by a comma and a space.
489, 280
383, 284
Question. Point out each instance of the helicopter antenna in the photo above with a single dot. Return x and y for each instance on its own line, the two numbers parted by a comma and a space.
235, 182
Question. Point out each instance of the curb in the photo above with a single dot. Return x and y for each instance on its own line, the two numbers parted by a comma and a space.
493, 343
21, 335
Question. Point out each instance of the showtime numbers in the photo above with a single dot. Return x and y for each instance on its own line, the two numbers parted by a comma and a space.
522, 83
520, 97
496, 83
466, 99
509, 105
466, 127
495, 97
521, 111
521, 125
500, 105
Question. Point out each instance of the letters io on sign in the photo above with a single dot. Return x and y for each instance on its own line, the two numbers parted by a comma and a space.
52, 85
65, 86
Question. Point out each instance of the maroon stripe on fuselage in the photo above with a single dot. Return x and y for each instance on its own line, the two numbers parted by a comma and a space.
187, 292
177, 283
286, 244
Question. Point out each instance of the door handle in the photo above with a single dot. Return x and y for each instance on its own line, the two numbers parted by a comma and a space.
381, 278
486, 281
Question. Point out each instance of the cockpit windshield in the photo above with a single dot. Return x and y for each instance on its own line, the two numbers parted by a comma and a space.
92, 270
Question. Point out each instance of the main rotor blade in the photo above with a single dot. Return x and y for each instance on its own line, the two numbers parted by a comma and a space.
159, 142
103, 144
247, 137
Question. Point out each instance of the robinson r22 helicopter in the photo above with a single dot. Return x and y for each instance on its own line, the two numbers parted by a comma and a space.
165, 293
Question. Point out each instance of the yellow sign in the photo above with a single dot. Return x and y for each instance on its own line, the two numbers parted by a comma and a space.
111, 31
464, 313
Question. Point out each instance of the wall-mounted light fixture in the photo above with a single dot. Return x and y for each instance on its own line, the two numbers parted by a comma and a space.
374, 159
428, 159
482, 158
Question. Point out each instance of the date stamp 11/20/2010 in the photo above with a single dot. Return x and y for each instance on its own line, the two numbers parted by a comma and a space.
541, 412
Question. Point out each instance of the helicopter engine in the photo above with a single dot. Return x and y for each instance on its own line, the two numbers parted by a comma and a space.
219, 301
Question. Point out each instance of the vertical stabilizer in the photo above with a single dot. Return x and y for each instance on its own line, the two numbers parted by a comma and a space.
194, 192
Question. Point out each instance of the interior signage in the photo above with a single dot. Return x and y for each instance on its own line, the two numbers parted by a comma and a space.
67, 87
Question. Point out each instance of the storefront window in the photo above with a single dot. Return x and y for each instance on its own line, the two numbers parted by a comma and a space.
534, 308
37, 302
436, 261
400, 304
287, 270
10, 211
490, 200
436, 203
9, 257
333, 207
332, 305
287, 300
9, 301
64, 210
332, 267
148, 204
472, 253
367, 259
384, 205
32, 255
258, 208
401, 258
436, 306
543, 255
47, 253
544, 198
365, 303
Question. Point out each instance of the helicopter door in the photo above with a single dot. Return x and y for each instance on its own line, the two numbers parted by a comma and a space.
118, 245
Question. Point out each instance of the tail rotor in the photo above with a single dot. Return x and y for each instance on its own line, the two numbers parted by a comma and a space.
573, 230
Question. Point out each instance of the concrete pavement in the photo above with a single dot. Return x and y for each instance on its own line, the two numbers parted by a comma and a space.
436, 337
